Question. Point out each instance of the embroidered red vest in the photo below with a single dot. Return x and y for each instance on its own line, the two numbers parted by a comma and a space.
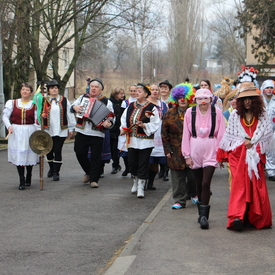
22, 116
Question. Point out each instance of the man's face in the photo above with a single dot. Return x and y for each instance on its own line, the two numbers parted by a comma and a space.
95, 89
164, 90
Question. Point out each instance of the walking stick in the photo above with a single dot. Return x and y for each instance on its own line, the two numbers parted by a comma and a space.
41, 157
40, 141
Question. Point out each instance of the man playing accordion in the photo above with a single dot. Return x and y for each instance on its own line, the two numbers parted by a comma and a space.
90, 135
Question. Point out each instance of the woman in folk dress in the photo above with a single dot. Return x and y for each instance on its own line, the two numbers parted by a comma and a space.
19, 118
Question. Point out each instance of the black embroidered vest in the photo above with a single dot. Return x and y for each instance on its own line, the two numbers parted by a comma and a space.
139, 112
62, 104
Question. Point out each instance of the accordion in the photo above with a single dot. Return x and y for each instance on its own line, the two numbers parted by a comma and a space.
95, 111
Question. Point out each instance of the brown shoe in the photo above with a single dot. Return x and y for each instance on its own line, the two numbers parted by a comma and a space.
94, 184
86, 178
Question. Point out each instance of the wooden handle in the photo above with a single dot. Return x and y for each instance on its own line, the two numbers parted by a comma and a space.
8, 135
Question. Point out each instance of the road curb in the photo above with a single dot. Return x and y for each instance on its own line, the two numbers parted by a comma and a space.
125, 259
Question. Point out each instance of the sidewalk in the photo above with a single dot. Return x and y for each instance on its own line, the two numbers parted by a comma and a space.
171, 241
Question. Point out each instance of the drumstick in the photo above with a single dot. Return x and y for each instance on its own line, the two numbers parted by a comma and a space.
8, 135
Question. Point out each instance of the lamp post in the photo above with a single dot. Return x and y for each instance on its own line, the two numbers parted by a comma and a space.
2, 96
141, 56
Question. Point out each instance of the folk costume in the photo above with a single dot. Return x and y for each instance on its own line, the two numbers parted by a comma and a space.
58, 120
140, 141
21, 116
157, 156
88, 135
121, 146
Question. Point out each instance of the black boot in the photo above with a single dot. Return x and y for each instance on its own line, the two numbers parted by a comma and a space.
50, 173
22, 183
126, 171
204, 214
21, 173
150, 183
56, 169
198, 206
29, 176
238, 225
165, 175
161, 172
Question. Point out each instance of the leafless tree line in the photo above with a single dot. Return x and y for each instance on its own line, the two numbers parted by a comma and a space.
115, 39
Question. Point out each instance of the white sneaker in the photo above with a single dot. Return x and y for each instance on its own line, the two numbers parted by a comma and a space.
140, 188
195, 200
134, 188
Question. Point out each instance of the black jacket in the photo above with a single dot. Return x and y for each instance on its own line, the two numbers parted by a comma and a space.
114, 132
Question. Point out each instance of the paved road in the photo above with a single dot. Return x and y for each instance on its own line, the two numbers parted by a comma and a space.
68, 228
170, 242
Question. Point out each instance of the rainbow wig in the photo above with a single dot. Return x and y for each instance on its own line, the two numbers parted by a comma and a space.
185, 90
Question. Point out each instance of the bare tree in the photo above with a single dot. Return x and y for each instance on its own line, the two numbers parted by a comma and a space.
184, 37
229, 46
41, 29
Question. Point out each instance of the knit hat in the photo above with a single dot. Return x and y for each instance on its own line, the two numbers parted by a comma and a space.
267, 83
99, 80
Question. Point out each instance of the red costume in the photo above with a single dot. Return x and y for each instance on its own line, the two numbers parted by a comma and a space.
247, 167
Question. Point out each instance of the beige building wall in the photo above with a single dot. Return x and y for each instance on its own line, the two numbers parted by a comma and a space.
269, 70
65, 57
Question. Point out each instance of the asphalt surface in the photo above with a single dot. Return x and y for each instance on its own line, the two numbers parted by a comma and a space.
170, 242
69, 228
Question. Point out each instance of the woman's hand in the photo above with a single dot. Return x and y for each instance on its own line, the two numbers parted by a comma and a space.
70, 135
169, 155
189, 162
248, 144
123, 132
10, 130
221, 165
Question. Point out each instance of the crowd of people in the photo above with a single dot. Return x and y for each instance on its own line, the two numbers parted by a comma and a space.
160, 128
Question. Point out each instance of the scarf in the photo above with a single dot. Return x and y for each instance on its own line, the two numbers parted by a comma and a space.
235, 136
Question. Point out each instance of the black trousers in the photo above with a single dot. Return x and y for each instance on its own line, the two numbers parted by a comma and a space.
56, 152
114, 152
81, 147
139, 161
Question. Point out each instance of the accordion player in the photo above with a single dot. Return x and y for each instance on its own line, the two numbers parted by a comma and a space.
95, 111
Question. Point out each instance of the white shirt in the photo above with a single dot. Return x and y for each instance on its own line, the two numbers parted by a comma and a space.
151, 128
55, 125
88, 131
